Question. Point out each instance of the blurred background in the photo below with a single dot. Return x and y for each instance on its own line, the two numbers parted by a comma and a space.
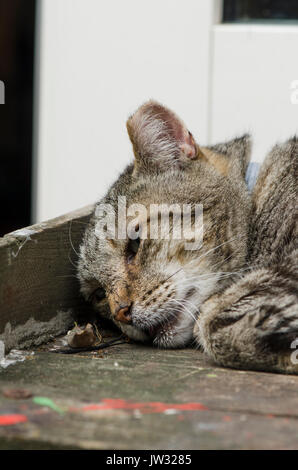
74, 70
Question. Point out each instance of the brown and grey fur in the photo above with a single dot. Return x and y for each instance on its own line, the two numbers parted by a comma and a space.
254, 323
164, 294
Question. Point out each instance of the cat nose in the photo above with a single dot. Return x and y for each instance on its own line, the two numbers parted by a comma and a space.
123, 313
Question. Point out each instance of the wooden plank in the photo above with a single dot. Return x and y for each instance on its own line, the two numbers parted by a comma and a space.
39, 292
133, 396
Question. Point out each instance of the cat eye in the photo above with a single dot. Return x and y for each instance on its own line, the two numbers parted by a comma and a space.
98, 294
132, 249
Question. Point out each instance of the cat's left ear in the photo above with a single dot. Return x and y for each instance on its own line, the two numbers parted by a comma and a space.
236, 152
160, 139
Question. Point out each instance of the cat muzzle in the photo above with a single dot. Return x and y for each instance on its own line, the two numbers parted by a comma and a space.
123, 313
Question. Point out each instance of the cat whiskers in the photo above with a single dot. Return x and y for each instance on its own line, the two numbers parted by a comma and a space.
203, 256
221, 274
68, 275
184, 308
216, 247
72, 246
72, 263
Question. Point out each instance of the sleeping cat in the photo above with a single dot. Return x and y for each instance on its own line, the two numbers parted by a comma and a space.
236, 295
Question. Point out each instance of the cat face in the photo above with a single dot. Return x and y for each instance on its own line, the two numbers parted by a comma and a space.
153, 282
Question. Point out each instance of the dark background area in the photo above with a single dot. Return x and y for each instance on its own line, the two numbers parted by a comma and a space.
17, 24
254, 10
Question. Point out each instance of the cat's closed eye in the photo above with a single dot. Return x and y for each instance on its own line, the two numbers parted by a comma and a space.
98, 295
132, 249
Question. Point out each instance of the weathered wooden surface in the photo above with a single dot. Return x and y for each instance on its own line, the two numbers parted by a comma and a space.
138, 397
39, 294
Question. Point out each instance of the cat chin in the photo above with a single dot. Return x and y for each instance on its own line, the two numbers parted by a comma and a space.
133, 333
177, 336
174, 341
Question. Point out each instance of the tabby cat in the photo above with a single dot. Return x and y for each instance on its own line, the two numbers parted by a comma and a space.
236, 296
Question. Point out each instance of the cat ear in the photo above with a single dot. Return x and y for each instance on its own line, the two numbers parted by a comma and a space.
160, 139
237, 152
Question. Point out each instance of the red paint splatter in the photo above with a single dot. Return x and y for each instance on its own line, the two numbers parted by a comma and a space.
8, 420
227, 418
143, 407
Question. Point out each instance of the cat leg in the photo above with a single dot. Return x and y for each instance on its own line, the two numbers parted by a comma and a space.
253, 324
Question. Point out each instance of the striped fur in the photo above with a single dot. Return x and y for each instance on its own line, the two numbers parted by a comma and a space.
254, 322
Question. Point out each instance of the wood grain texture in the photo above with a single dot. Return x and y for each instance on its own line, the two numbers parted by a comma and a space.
133, 396
39, 291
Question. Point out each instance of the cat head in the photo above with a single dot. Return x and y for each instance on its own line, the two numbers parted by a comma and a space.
154, 279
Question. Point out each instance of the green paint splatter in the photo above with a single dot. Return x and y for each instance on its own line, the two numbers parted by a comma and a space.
44, 401
211, 375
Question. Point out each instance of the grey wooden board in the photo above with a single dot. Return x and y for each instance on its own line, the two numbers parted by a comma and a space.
39, 293
244, 410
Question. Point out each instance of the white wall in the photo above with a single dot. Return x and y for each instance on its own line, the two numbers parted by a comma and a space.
97, 62
253, 67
